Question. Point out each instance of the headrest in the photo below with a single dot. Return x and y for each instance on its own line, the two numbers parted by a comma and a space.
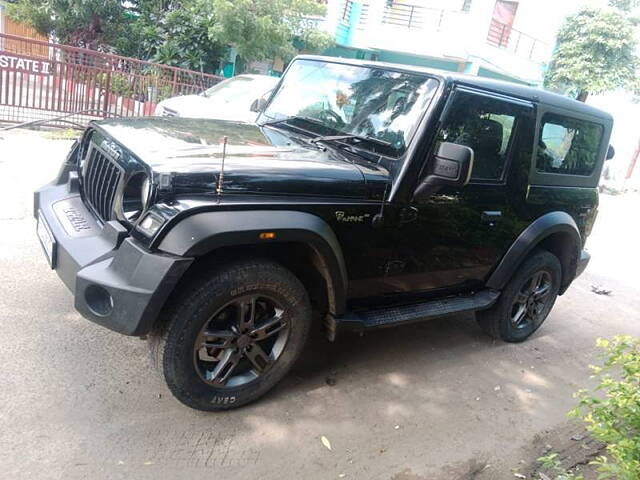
489, 136
483, 135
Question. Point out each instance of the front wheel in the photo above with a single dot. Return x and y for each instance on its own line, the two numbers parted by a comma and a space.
526, 301
230, 337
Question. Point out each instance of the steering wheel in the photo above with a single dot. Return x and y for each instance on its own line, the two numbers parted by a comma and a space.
332, 118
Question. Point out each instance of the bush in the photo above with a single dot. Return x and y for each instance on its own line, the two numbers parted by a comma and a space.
612, 410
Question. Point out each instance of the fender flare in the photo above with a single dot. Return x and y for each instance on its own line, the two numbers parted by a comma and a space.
530, 238
204, 232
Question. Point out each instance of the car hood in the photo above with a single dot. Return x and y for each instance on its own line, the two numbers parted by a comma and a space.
256, 159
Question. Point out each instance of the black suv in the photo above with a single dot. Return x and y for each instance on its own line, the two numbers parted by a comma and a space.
366, 195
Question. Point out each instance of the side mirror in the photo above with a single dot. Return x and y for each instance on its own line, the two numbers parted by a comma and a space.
611, 152
258, 105
450, 166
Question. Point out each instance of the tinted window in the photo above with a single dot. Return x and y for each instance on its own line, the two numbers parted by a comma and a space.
568, 146
484, 124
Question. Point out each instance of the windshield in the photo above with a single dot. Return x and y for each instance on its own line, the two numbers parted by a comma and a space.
239, 89
351, 100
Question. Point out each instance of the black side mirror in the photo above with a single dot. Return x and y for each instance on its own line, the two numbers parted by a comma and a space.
258, 105
450, 166
611, 152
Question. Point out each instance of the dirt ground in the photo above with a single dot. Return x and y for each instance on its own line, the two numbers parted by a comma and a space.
437, 400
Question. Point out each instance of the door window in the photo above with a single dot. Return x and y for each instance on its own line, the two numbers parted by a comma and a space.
487, 126
568, 146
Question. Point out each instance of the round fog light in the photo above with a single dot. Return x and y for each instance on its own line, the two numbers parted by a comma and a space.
98, 300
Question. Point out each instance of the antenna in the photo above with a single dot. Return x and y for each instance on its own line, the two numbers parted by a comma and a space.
378, 219
221, 176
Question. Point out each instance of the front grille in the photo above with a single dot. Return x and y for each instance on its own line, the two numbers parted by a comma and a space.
100, 182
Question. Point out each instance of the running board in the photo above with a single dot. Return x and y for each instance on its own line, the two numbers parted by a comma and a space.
392, 316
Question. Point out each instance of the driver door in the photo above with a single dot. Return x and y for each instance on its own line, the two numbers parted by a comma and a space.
453, 238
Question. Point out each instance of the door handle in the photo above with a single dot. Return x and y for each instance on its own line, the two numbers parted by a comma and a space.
491, 217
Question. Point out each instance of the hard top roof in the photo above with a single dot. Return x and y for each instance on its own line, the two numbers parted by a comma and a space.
523, 92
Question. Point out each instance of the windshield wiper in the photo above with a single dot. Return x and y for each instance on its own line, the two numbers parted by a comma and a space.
360, 138
312, 120
329, 138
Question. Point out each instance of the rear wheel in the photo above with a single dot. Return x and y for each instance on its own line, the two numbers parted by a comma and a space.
526, 301
230, 337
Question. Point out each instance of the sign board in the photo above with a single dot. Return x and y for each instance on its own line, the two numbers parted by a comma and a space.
21, 64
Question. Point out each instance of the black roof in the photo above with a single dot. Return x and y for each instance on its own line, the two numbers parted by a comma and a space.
523, 92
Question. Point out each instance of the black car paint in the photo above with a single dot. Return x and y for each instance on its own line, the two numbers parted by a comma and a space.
446, 248
390, 246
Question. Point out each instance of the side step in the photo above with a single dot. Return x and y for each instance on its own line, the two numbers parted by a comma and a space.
400, 315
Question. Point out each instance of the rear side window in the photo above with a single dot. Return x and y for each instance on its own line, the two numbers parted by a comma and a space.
568, 146
486, 125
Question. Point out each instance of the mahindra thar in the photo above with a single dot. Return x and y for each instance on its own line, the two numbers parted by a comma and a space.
366, 195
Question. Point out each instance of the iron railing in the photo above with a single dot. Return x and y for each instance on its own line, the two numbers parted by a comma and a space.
39, 80
415, 16
503, 35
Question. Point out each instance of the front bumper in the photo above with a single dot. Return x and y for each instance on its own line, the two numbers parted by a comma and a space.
116, 282
583, 261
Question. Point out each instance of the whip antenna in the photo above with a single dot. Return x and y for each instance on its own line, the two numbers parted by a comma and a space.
221, 176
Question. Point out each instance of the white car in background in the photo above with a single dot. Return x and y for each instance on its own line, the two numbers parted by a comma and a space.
230, 99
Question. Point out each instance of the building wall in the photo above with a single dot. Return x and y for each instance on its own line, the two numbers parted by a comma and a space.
447, 36
408, 59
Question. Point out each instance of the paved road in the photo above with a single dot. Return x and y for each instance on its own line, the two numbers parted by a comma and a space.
437, 400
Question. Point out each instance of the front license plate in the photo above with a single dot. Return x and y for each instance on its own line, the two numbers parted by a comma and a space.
47, 240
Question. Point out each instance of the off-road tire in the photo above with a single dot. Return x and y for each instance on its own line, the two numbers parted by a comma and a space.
172, 342
497, 321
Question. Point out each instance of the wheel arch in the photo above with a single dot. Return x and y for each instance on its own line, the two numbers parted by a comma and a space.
555, 232
298, 240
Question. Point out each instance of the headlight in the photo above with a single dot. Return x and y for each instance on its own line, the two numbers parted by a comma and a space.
135, 196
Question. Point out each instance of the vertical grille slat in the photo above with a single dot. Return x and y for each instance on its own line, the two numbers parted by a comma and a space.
109, 189
89, 175
101, 179
104, 167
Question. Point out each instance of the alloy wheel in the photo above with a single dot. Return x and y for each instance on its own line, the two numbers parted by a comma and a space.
241, 341
530, 304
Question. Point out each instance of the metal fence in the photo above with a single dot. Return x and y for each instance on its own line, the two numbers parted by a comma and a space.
417, 16
502, 35
40, 80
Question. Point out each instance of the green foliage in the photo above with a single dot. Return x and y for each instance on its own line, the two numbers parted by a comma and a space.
260, 29
612, 411
176, 34
84, 23
552, 464
596, 52
121, 84
193, 34
625, 5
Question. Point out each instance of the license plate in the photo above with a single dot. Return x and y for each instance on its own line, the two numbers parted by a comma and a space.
47, 240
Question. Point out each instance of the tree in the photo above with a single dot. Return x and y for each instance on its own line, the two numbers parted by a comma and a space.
595, 52
261, 29
625, 5
175, 33
83, 23
192, 34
